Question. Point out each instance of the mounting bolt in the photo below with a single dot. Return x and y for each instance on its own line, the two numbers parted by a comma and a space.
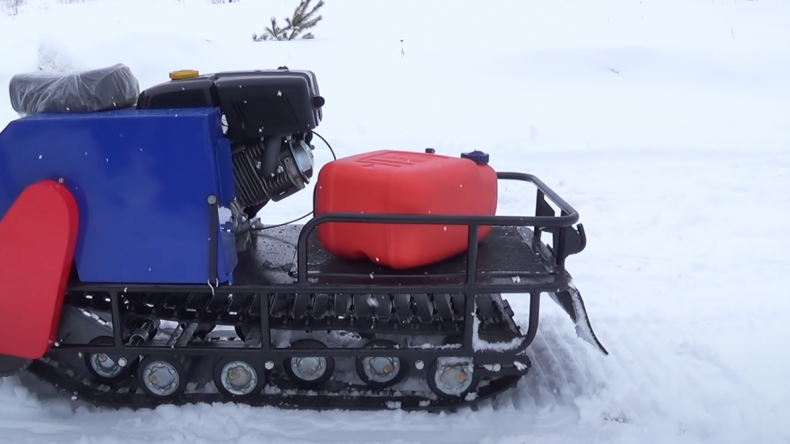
419, 364
122, 362
269, 365
212, 200
61, 180
497, 367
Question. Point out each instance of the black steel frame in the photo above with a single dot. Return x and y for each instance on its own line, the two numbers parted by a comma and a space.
567, 240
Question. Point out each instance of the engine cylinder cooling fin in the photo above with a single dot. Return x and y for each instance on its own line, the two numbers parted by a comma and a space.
293, 171
249, 185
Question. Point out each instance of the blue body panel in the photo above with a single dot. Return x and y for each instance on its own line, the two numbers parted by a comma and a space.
141, 180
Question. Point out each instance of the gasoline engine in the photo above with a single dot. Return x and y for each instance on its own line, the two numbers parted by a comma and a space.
272, 168
268, 117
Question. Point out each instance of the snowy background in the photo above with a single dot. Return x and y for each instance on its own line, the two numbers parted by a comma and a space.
665, 123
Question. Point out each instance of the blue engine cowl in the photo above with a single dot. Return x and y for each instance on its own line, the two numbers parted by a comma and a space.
142, 179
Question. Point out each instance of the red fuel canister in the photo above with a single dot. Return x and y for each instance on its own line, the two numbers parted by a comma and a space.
388, 181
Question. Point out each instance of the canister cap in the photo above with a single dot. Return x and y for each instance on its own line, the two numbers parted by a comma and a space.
478, 157
184, 74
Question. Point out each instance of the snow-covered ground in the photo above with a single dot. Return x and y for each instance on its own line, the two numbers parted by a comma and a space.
666, 123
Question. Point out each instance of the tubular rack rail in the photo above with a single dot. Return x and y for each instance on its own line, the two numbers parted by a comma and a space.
542, 271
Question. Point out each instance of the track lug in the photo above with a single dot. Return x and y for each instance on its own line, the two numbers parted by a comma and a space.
12, 365
519, 366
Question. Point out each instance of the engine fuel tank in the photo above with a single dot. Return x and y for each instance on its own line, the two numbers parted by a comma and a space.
402, 182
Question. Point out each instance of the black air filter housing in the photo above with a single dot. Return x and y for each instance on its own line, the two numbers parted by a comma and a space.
268, 102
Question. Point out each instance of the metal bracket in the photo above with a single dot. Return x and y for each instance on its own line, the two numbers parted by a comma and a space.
213, 241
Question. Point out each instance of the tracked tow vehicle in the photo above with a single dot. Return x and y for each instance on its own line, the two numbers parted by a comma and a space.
134, 271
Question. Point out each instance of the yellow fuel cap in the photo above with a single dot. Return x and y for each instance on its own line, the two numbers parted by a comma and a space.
184, 74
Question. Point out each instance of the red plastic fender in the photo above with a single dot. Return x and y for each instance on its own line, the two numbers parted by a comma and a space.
38, 236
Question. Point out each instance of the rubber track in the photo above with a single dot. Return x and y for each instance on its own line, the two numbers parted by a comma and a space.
406, 314
103, 396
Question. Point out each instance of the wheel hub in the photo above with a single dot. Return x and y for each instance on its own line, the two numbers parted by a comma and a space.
105, 366
308, 369
381, 369
161, 378
454, 379
239, 377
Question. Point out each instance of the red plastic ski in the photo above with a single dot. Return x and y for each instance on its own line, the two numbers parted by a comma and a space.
38, 236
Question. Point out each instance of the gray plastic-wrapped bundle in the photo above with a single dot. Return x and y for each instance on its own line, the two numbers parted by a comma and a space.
78, 92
